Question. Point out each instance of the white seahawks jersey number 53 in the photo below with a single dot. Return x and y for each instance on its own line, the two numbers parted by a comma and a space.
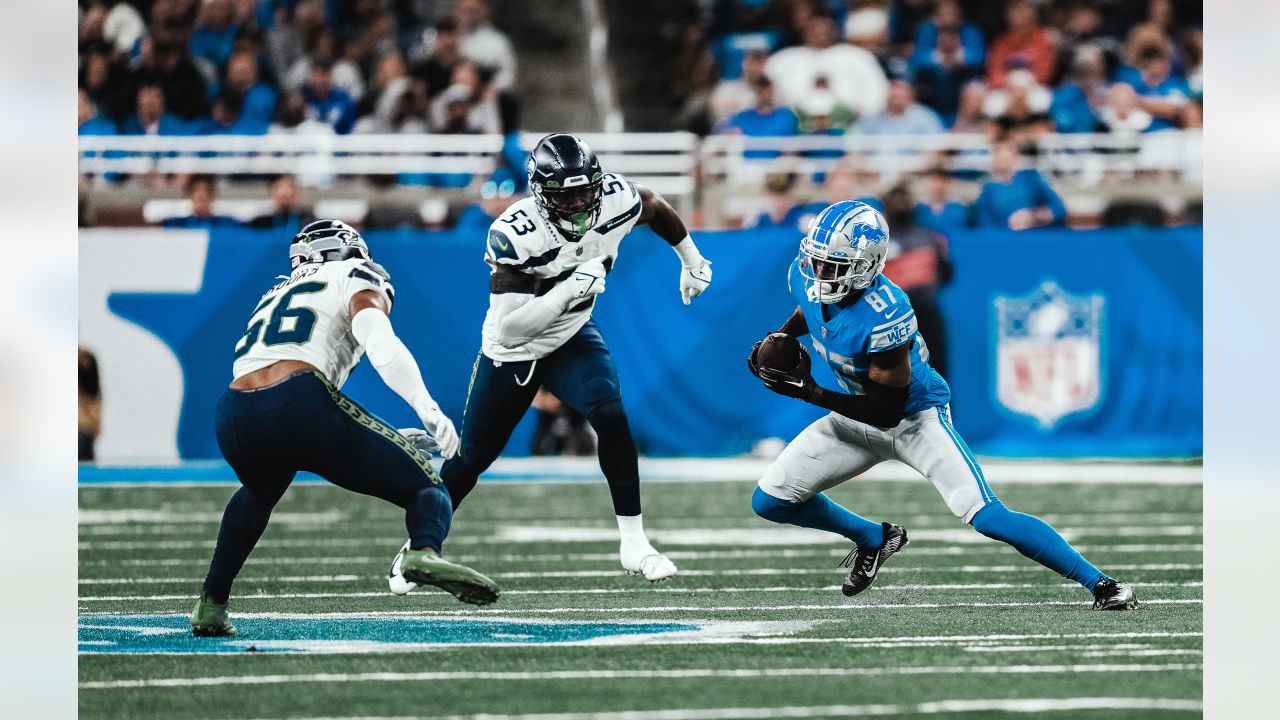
307, 318
537, 256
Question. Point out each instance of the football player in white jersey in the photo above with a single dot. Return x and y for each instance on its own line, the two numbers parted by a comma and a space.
549, 256
284, 412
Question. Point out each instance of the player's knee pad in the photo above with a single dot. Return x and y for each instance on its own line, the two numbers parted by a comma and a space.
771, 508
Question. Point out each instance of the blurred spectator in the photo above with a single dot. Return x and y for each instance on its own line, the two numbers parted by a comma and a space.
215, 33
286, 214
938, 211
324, 101
89, 397
940, 74
150, 117
903, 115
496, 195
1077, 102
971, 116
848, 180
483, 44
108, 83
1193, 57
781, 207
1021, 106
822, 113
1026, 43
164, 61
855, 75
260, 99
443, 56
345, 75
1161, 93
1084, 26
390, 75
368, 30
867, 26
200, 191
89, 123
227, 117
1014, 197
115, 22
291, 119
1123, 113
291, 26
918, 263
764, 119
469, 105
733, 96
400, 111
948, 18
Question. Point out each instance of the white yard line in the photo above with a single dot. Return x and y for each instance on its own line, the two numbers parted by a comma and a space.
227, 680
992, 548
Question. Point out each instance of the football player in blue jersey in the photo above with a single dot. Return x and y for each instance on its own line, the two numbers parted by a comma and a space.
893, 406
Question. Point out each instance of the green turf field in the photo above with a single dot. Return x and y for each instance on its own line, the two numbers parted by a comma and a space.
754, 627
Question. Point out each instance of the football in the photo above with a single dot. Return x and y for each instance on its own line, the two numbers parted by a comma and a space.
783, 353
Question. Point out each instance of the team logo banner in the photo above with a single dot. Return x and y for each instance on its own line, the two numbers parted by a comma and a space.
1049, 353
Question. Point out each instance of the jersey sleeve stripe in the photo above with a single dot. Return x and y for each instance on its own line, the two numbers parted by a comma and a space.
620, 220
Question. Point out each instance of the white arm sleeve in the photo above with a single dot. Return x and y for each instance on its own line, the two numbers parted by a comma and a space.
392, 360
522, 323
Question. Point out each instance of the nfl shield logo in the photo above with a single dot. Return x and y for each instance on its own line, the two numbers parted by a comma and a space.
1049, 353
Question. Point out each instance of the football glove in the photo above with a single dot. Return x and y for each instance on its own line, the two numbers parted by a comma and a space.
694, 280
441, 429
587, 279
799, 385
751, 358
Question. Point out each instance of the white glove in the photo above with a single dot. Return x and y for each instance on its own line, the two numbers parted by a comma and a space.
441, 429
694, 279
587, 280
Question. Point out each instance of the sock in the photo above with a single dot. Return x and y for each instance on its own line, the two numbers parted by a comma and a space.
243, 523
820, 513
631, 529
1037, 540
428, 517
617, 451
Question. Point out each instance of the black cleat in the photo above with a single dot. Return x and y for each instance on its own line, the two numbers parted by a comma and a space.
1111, 594
866, 564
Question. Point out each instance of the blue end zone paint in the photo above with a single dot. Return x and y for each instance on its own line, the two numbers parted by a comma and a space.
171, 634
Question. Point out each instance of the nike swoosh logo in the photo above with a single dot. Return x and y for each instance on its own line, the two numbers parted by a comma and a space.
503, 245
872, 572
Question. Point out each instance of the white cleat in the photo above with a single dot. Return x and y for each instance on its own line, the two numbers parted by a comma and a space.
645, 560
395, 578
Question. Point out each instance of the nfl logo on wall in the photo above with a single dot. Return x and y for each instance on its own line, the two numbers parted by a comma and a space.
1049, 353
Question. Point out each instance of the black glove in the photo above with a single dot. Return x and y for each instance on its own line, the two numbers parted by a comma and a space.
799, 385
751, 358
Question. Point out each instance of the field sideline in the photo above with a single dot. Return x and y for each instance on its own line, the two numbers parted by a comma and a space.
754, 627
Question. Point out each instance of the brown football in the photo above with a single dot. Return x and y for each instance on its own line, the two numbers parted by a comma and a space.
781, 352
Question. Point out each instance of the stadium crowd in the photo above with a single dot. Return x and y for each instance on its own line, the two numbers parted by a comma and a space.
254, 67
1022, 67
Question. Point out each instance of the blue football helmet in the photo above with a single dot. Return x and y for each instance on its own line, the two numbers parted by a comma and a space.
843, 251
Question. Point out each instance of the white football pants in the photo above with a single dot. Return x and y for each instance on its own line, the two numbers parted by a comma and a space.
835, 449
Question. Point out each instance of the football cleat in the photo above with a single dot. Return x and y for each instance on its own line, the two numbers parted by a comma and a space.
426, 567
1110, 594
865, 564
209, 619
645, 560
395, 577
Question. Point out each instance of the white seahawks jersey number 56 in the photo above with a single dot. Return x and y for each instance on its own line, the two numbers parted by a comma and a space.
307, 318
522, 242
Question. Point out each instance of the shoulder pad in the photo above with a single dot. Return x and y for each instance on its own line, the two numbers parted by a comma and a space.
501, 248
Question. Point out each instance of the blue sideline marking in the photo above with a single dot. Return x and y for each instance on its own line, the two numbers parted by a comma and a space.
219, 473
171, 634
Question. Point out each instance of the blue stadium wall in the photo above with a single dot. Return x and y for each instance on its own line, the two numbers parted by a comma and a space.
1132, 300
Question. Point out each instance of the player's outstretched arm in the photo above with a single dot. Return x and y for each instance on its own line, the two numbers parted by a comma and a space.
529, 318
695, 270
885, 403
396, 366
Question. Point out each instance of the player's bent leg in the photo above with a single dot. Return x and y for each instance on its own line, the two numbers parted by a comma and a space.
582, 374
497, 397
929, 443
